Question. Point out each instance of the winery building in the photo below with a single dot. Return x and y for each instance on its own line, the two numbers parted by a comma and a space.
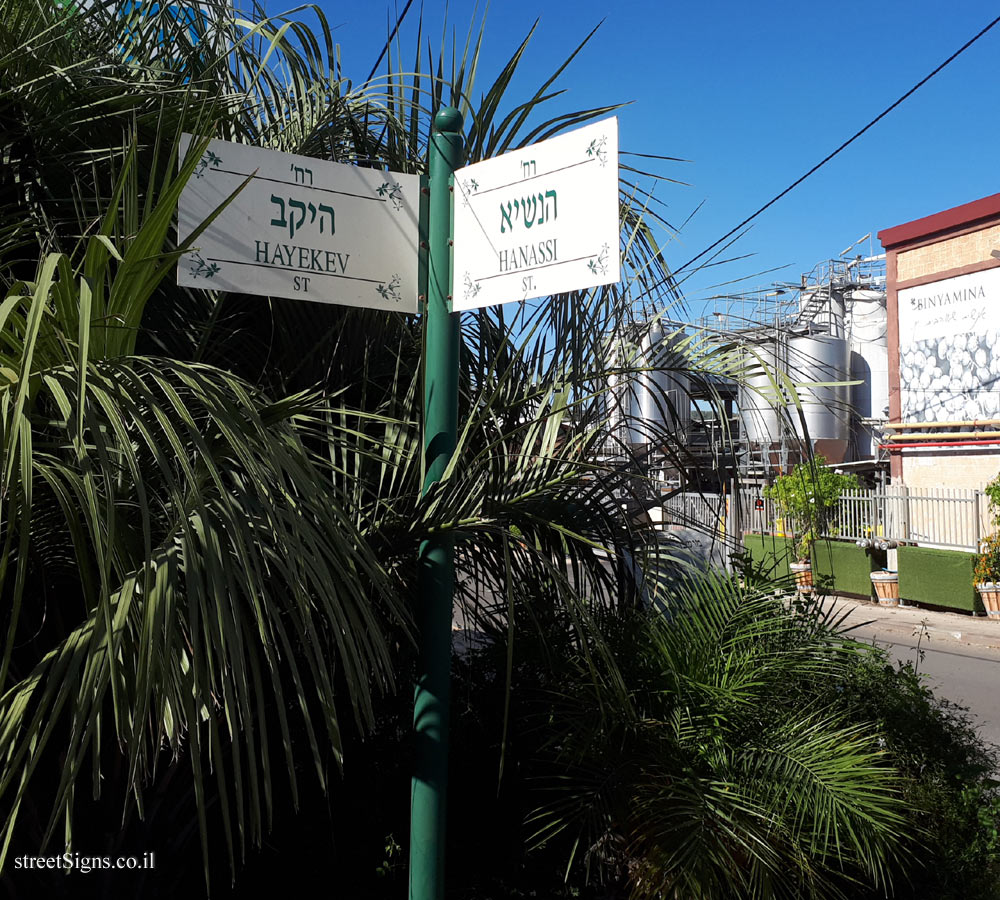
943, 304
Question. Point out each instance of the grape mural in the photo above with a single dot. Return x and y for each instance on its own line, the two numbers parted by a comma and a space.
949, 360
951, 378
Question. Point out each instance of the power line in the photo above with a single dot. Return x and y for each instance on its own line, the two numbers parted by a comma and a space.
844, 145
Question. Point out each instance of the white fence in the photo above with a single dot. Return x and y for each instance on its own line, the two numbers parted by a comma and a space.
949, 519
955, 519
706, 512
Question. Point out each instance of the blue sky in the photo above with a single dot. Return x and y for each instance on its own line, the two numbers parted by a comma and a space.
754, 95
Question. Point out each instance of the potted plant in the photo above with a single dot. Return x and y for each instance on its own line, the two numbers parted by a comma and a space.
986, 575
807, 495
802, 567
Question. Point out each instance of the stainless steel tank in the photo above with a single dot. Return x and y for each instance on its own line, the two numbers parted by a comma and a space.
869, 343
761, 405
824, 418
614, 399
659, 399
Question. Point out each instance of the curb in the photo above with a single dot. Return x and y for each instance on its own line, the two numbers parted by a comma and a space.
941, 628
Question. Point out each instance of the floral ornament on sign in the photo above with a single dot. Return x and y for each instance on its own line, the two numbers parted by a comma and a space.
599, 265
469, 186
472, 288
202, 269
390, 291
393, 192
598, 149
208, 159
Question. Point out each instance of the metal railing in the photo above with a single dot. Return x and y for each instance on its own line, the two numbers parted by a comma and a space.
705, 512
942, 518
946, 518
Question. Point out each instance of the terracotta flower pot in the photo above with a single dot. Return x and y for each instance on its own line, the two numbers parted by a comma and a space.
803, 576
989, 593
886, 586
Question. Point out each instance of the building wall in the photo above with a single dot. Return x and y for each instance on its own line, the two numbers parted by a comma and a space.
943, 467
951, 253
943, 305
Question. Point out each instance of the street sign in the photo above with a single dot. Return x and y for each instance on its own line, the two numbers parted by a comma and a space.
538, 221
302, 228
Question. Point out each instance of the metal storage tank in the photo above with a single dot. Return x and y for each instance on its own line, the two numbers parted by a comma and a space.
659, 399
614, 396
821, 358
869, 342
761, 407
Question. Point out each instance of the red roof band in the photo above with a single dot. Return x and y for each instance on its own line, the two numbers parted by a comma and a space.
949, 219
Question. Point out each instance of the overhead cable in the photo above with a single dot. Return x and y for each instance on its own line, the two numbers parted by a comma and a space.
843, 146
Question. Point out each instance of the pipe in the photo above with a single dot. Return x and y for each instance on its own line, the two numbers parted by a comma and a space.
899, 426
938, 444
946, 435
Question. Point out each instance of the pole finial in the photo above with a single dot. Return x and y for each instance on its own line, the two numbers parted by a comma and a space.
448, 119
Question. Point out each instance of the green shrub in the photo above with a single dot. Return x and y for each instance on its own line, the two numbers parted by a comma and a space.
712, 770
988, 559
949, 784
807, 495
992, 490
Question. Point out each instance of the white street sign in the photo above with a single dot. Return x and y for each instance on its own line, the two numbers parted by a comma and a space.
538, 221
302, 228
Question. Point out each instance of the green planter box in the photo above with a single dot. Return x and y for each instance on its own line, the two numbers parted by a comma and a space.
935, 577
773, 554
837, 565
938, 577
844, 566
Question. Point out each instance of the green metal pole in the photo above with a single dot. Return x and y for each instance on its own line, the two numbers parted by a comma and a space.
428, 792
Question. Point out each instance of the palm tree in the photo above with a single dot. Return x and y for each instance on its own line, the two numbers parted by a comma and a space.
727, 771
202, 555
210, 503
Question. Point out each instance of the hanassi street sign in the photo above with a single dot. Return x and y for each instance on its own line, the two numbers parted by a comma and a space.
538, 221
302, 228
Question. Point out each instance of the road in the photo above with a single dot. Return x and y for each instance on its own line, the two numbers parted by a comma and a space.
961, 655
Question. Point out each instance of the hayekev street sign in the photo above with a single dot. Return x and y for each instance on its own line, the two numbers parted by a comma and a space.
302, 228
538, 221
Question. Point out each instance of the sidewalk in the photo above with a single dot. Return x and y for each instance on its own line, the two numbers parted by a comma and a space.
943, 628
